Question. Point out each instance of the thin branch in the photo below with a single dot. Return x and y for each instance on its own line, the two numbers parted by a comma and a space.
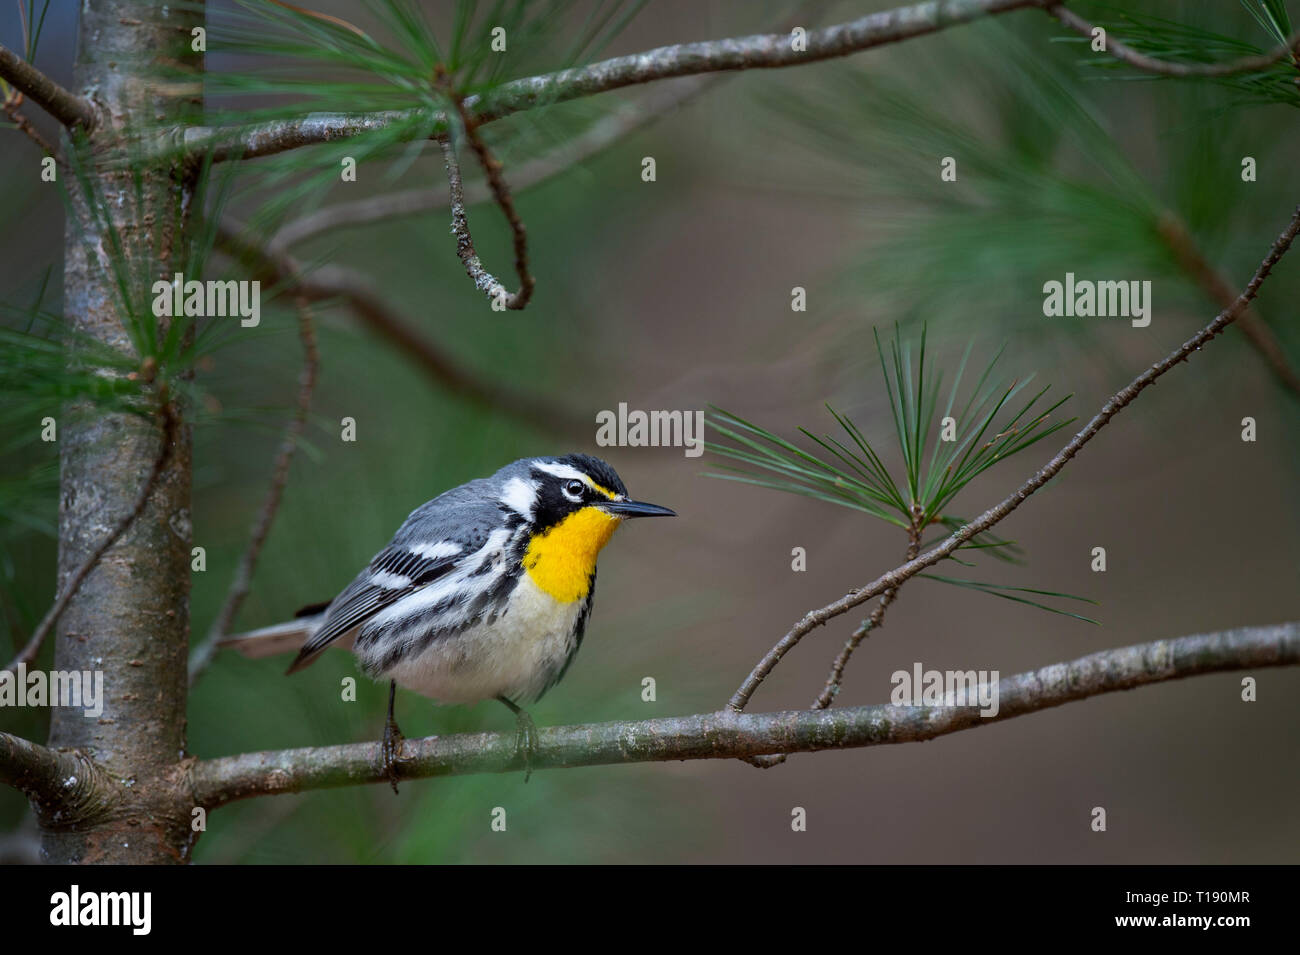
293, 432
334, 282
992, 516
78, 577
609, 129
65, 106
411, 202
765, 51
11, 106
1248, 64
1261, 336
729, 735
482, 278
835, 678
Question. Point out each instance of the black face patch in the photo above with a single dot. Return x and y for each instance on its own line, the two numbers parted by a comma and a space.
553, 505
597, 470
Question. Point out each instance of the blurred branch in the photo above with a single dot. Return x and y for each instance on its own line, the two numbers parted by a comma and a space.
764, 51
1180, 240
601, 134
335, 282
728, 735
293, 432
484, 280
11, 105
1112, 407
1248, 64
65, 106
167, 437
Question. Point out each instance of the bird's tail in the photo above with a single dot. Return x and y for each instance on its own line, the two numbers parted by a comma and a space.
287, 637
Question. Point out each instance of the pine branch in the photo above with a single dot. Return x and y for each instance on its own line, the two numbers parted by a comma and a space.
1116, 403
1148, 64
68, 108
730, 735
764, 51
413, 202
601, 134
1261, 337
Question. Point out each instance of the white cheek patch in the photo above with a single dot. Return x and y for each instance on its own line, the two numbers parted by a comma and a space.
437, 551
520, 496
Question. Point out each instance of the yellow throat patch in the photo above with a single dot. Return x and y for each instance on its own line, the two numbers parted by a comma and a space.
562, 560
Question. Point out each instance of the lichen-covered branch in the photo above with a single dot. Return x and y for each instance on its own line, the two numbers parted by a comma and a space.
729, 735
1116, 403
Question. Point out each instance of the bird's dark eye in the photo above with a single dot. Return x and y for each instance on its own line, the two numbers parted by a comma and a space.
573, 490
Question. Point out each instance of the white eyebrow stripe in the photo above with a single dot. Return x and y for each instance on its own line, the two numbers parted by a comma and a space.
436, 551
561, 470
565, 471
520, 496
389, 580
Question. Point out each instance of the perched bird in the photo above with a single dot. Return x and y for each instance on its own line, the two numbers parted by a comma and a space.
483, 593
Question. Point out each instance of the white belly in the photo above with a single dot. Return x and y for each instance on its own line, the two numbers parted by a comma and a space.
517, 656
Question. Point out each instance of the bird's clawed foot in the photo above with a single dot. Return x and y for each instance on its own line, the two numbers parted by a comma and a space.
391, 748
525, 736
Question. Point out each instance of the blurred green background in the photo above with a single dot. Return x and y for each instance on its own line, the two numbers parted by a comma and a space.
675, 294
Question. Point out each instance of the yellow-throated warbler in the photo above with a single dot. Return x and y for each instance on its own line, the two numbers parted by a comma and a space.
483, 593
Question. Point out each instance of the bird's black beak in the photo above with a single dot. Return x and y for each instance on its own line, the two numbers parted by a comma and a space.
636, 509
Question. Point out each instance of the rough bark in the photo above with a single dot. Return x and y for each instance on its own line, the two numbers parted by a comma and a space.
130, 618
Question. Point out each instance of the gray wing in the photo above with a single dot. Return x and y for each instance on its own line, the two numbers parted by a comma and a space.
432, 542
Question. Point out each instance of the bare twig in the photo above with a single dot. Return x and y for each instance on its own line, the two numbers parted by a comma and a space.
11, 107
1248, 64
1180, 240
729, 735
293, 432
765, 51
872, 623
65, 106
334, 282
834, 679
1112, 407
168, 433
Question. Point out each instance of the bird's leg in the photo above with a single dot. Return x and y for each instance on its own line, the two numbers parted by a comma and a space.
525, 735
391, 747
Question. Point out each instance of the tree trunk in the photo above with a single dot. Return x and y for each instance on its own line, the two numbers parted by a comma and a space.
130, 618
